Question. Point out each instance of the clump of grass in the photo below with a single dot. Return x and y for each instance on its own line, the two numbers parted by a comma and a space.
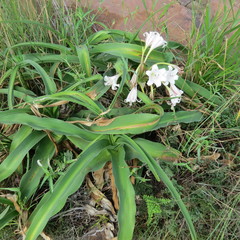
44, 21
212, 58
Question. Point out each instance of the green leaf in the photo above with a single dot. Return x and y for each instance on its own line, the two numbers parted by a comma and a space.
84, 59
203, 92
131, 51
16, 116
155, 150
52, 202
30, 180
18, 94
173, 118
19, 136
53, 46
73, 96
11, 86
11, 163
126, 193
7, 218
126, 124
50, 86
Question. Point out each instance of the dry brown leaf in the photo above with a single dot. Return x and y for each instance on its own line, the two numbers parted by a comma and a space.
209, 158
113, 187
51, 105
98, 122
45, 237
92, 94
13, 199
98, 178
104, 121
99, 197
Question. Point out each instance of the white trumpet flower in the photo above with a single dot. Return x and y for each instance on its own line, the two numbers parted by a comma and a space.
172, 75
161, 76
112, 81
154, 40
132, 96
175, 95
157, 76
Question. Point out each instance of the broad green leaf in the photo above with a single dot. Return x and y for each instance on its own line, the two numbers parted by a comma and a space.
30, 180
11, 86
130, 51
11, 163
50, 58
52, 202
57, 126
124, 139
126, 194
7, 218
19, 136
183, 85
203, 92
155, 150
173, 118
18, 94
97, 90
50, 86
126, 124
158, 171
73, 96
53, 46
84, 59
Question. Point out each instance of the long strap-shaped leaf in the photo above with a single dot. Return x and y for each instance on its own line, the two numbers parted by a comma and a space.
130, 51
173, 118
50, 86
31, 178
11, 163
152, 164
127, 124
73, 96
57, 126
53, 46
84, 59
130, 143
11, 86
126, 193
52, 202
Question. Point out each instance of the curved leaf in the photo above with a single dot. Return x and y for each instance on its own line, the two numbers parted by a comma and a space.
126, 124
73, 96
131, 51
84, 59
52, 202
50, 86
30, 180
11, 163
173, 118
16, 116
126, 193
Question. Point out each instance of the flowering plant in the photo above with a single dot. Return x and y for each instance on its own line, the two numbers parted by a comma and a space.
91, 111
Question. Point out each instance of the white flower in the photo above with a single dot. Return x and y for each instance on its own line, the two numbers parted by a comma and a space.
112, 81
157, 76
172, 75
175, 94
154, 40
132, 96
